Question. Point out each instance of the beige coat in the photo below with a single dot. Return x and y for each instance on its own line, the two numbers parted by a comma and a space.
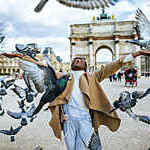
94, 96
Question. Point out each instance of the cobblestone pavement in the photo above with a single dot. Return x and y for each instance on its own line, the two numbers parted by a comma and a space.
132, 135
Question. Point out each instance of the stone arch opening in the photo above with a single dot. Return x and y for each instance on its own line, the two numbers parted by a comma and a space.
103, 55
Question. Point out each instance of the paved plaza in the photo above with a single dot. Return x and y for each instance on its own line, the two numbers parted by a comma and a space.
132, 135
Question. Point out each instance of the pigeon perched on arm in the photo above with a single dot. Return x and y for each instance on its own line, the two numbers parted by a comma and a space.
83, 4
12, 132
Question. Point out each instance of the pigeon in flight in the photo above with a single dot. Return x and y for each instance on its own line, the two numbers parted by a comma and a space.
3, 87
45, 80
23, 115
12, 132
29, 84
24, 94
2, 37
143, 31
83, 4
27, 51
5, 84
1, 110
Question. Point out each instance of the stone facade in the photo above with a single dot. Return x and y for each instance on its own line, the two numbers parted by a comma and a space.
87, 39
10, 66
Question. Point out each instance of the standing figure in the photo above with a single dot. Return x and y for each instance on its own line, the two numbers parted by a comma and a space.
110, 78
119, 75
83, 106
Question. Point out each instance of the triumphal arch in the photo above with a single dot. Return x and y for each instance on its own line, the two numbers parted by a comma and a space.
88, 39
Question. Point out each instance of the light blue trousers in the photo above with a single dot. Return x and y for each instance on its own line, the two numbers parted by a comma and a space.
78, 132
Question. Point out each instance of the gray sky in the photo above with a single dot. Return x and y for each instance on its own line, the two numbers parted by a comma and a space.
51, 26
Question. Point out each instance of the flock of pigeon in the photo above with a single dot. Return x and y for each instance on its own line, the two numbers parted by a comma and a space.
25, 96
38, 79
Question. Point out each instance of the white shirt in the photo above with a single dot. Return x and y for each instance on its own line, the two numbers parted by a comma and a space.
76, 105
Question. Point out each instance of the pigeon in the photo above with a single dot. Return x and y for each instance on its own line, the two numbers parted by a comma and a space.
143, 31
50, 95
143, 118
84, 4
5, 84
1, 110
27, 51
3, 87
24, 94
12, 132
128, 100
8, 83
29, 84
2, 37
23, 115
45, 80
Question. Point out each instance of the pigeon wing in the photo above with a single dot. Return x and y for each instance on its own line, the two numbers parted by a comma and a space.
144, 24
30, 111
19, 91
17, 130
7, 132
14, 115
28, 82
3, 78
35, 73
9, 83
88, 4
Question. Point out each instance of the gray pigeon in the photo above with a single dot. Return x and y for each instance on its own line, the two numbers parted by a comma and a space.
1, 110
23, 115
3, 91
12, 132
143, 31
24, 94
83, 4
27, 51
45, 80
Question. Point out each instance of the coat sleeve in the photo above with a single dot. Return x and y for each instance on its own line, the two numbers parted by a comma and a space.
109, 69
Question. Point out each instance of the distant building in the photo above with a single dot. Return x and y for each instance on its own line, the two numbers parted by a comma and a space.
10, 66
88, 39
